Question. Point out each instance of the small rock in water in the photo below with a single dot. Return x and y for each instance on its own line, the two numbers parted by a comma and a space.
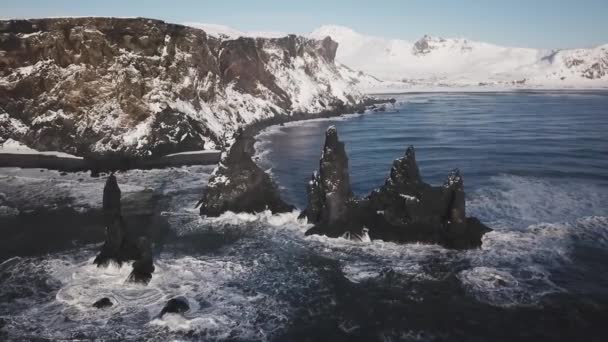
103, 303
177, 305
144, 266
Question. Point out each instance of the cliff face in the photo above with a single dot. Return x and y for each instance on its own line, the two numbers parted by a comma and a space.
141, 87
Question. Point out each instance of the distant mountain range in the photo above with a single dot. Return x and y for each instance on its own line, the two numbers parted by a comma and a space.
382, 64
142, 87
434, 61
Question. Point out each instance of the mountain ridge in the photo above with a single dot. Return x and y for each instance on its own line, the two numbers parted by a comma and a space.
437, 61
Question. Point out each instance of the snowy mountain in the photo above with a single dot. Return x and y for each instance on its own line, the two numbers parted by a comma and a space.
227, 32
433, 61
137, 86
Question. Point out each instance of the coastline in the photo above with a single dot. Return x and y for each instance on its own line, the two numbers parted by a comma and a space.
105, 163
250, 132
481, 90
70, 164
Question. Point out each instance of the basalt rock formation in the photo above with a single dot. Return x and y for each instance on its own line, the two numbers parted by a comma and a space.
137, 87
404, 209
239, 185
103, 303
120, 246
177, 305
329, 192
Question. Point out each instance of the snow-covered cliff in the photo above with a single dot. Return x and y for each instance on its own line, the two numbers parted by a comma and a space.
141, 87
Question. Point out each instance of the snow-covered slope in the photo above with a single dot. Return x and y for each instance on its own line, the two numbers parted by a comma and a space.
433, 61
227, 32
140, 87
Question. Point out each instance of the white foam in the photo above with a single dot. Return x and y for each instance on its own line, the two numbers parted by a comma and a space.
536, 225
516, 201
11, 146
508, 287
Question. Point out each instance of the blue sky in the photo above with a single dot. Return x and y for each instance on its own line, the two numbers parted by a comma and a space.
526, 23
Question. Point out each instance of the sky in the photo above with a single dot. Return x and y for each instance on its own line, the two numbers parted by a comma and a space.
522, 23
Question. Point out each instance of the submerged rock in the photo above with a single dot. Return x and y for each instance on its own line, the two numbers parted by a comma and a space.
404, 209
177, 305
103, 303
239, 185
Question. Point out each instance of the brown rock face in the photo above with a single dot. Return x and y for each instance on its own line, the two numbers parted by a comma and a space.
108, 85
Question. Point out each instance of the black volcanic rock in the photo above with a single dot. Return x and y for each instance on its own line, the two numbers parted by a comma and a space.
239, 185
115, 248
143, 267
329, 191
103, 303
120, 246
177, 305
404, 209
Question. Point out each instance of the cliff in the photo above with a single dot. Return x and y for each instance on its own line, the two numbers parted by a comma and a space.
138, 87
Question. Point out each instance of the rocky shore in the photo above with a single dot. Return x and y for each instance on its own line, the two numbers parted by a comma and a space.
239, 185
405, 209
97, 165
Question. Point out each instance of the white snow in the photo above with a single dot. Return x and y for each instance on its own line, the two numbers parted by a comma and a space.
434, 62
11, 146
227, 32
410, 198
194, 152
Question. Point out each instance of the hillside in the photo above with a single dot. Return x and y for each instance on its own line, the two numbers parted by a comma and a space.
434, 61
141, 87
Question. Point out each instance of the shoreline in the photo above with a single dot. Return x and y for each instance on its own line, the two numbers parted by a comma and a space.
487, 91
78, 164
110, 163
250, 132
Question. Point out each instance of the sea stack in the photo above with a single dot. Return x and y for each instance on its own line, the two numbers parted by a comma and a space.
329, 190
114, 249
239, 185
404, 209
119, 246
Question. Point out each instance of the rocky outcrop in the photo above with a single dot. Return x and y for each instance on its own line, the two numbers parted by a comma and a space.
143, 267
116, 248
177, 305
141, 87
329, 190
239, 185
120, 246
404, 209
103, 303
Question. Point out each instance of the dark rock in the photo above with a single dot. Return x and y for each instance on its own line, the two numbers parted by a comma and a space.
177, 305
329, 190
114, 246
120, 246
404, 209
103, 303
239, 185
144, 266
